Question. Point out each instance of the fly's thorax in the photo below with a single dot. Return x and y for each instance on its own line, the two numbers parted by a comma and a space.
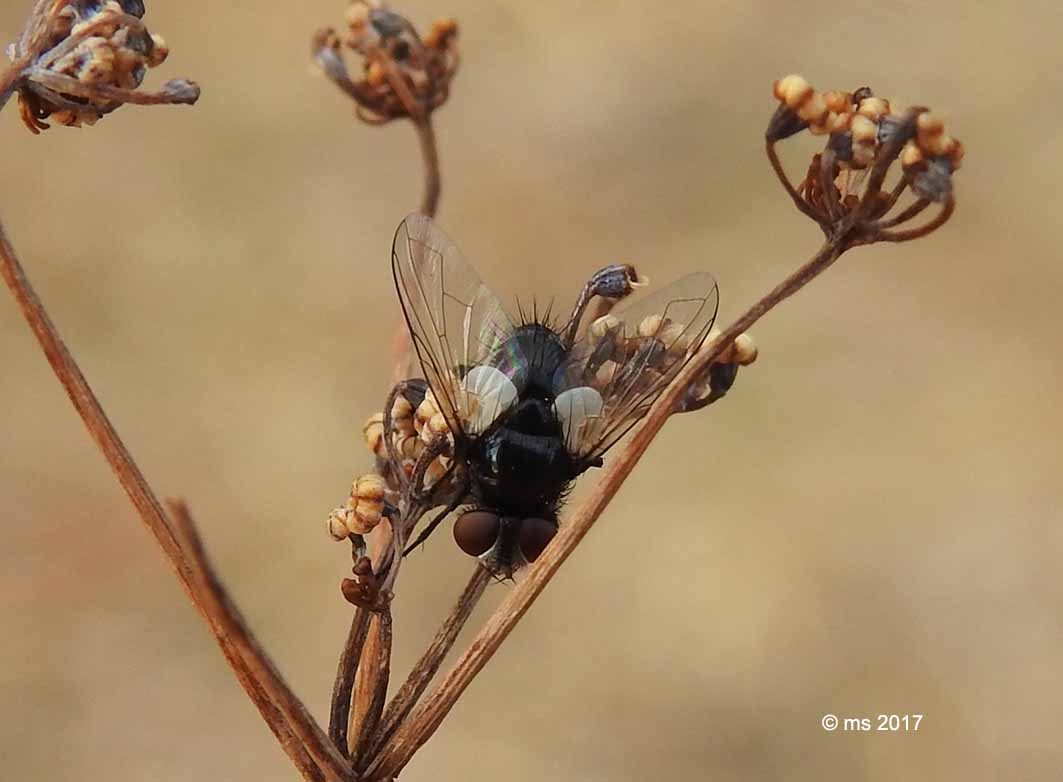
531, 355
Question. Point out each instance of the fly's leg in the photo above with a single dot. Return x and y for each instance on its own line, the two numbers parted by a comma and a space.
611, 282
436, 521
429, 466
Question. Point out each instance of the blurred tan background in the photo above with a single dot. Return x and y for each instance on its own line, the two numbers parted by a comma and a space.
869, 523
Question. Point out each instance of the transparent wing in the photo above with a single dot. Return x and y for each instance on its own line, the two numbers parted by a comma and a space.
626, 359
456, 325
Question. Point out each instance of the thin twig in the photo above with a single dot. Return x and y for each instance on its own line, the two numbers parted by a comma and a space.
136, 487
420, 726
939, 220
427, 667
340, 712
217, 602
780, 173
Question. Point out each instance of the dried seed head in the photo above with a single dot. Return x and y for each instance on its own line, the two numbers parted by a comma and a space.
403, 74
865, 134
82, 59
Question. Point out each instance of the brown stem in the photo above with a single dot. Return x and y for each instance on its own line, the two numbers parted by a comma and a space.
10, 78
430, 155
219, 605
340, 712
916, 233
371, 686
906, 215
136, 487
427, 667
420, 726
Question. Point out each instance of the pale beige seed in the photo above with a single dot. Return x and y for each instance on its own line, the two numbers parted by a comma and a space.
911, 155
792, 90
603, 326
373, 434
745, 350
337, 524
874, 108
651, 326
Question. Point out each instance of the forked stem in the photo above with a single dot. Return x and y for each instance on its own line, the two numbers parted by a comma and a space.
146, 503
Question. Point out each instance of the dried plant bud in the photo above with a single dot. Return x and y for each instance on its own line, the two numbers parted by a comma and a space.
425, 410
435, 427
337, 524
366, 504
402, 75
402, 415
373, 434
604, 326
82, 59
930, 159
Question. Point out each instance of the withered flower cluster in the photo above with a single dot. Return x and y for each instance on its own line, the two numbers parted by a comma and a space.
844, 187
78, 60
402, 74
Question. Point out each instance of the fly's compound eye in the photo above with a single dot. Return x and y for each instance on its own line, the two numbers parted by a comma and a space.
475, 532
535, 534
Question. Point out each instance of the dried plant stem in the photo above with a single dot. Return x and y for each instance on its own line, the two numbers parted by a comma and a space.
219, 605
10, 78
425, 669
339, 714
430, 155
140, 493
371, 686
415, 731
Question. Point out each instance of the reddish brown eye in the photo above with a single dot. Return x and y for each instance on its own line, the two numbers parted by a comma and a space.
476, 531
534, 535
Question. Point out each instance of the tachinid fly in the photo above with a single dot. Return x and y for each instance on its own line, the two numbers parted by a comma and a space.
530, 406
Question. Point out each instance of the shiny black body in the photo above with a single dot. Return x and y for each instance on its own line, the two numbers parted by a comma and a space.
520, 467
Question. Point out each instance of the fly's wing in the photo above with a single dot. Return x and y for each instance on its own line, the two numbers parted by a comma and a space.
621, 365
456, 325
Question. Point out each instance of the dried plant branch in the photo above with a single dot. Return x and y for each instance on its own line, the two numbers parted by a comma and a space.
371, 686
219, 605
339, 713
425, 669
139, 491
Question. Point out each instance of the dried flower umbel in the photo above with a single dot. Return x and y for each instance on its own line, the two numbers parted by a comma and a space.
843, 190
402, 75
78, 60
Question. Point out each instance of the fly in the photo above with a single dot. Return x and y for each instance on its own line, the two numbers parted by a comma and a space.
532, 404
